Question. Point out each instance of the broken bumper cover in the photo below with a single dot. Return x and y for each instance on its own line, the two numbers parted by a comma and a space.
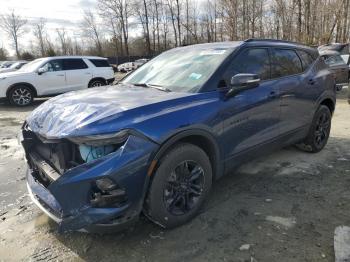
67, 200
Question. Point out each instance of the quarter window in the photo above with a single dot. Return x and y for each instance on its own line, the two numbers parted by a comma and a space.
74, 64
306, 59
286, 62
252, 61
100, 62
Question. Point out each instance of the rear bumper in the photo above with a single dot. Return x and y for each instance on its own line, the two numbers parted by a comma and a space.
67, 200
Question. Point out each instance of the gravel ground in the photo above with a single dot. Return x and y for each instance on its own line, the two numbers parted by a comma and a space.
281, 207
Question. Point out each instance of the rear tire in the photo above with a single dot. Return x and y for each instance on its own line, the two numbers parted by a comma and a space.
319, 131
21, 95
97, 83
180, 185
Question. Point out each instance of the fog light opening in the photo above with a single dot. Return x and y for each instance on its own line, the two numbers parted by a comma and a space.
106, 193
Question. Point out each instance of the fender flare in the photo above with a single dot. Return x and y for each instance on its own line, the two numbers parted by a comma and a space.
21, 83
173, 139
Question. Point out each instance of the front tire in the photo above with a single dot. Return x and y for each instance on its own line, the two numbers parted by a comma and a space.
180, 185
319, 131
21, 95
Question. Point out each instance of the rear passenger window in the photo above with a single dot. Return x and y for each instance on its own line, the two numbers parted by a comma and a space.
74, 64
286, 62
252, 61
100, 62
306, 59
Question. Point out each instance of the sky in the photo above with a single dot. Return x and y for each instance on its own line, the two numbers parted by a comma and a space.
58, 13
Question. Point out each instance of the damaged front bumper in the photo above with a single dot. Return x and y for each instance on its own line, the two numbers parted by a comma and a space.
74, 199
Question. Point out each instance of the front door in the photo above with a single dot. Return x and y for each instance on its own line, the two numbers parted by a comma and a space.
52, 79
251, 118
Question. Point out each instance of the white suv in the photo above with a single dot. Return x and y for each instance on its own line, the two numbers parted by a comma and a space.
54, 75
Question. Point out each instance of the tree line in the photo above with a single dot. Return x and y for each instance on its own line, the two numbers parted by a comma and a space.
148, 27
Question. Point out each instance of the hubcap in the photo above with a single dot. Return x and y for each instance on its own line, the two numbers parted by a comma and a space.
95, 84
21, 96
322, 129
184, 188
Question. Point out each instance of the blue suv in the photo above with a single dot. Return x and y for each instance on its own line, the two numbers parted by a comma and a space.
154, 143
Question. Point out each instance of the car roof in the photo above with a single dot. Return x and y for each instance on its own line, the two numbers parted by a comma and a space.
251, 42
280, 43
66, 57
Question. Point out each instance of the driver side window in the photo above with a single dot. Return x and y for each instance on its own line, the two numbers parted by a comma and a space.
53, 66
252, 61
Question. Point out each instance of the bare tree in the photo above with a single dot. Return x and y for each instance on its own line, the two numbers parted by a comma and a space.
92, 30
39, 32
13, 25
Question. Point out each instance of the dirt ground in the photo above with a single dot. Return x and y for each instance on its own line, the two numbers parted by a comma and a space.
281, 207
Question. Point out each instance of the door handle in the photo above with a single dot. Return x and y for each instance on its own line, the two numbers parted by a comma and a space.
87, 73
60, 75
272, 94
311, 82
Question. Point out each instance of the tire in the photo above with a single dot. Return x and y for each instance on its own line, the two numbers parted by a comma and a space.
166, 203
319, 131
97, 83
21, 95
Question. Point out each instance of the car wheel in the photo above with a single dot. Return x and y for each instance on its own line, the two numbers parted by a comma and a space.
21, 95
180, 185
97, 83
319, 131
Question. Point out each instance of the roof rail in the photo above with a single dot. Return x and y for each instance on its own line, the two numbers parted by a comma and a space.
267, 39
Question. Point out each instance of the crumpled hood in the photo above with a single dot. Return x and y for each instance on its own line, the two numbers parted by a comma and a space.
64, 115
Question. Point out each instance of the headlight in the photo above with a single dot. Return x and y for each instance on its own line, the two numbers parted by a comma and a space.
101, 140
94, 147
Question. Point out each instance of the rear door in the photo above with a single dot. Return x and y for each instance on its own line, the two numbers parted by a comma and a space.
78, 74
53, 80
297, 88
252, 117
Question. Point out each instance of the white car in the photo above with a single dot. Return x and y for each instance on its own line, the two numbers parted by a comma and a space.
54, 75
126, 67
13, 67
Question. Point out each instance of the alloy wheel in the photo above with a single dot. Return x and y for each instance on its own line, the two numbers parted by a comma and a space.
322, 129
184, 188
21, 96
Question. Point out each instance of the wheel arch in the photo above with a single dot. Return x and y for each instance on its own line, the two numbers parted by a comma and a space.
329, 103
198, 137
21, 83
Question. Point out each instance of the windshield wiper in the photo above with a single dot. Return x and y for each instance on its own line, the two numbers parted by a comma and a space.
159, 87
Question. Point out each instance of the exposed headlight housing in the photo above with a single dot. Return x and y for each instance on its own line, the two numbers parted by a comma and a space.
97, 146
102, 140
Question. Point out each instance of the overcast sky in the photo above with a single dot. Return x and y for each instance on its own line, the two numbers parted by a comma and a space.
58, 13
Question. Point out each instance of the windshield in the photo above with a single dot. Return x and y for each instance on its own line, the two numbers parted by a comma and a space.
179, 70
32, 66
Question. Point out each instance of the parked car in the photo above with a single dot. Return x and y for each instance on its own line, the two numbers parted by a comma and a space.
140, 62
155, 142
127, 67
13, 67
54, 75
339, 68
6, 64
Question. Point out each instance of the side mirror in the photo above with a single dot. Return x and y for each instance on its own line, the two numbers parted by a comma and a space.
241, 82
41, 71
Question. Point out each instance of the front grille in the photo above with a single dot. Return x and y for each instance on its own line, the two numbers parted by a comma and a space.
47, 158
